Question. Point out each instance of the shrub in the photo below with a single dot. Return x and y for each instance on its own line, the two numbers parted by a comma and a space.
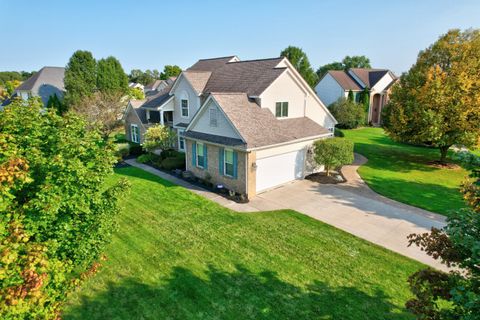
158, 137
56, 212
349, 114
135, 149
333, 153
123, 150
144, 158
173, 163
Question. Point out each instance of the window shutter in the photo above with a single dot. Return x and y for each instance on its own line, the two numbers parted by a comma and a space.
221, 160
205, 156
194, 154
235, 164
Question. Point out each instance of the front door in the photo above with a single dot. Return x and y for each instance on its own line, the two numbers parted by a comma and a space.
376, 109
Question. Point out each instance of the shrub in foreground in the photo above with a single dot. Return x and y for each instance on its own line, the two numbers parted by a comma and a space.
333, 153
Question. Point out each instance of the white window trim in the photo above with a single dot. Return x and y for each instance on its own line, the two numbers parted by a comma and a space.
135, 137
225, 162
281, 109
196, 155
180, 131
181, 107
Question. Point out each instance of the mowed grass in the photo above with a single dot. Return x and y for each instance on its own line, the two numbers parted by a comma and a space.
177, 255
402, 172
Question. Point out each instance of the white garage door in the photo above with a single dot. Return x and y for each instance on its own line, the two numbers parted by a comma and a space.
278, 169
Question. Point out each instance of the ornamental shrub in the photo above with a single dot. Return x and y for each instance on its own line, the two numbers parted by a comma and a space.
56, 212
333, 153
349, 114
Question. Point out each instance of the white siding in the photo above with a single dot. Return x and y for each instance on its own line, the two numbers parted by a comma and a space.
183, 87
382, 83
285, 89
328, 90
223, 128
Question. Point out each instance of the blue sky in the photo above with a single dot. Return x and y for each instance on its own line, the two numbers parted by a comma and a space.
149, 34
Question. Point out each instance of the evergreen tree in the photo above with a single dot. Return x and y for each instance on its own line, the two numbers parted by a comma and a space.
110, 76
55, 103
80, 77
350, 96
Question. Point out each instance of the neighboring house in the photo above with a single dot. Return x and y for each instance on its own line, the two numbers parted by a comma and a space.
135, 85
44, 83
337, 84
159, 85
247, 125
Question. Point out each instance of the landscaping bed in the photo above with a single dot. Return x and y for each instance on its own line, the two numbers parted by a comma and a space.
321, 177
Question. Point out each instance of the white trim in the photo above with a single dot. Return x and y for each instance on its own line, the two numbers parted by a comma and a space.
216, 144
178, 81
330, 134
137, 133
196, 155
131, 108
203, 106
161, 106
184, 142
225, 161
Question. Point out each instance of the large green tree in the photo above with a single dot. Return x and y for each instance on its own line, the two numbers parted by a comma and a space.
56, 212
347, 63
110, 76
437, 102
80, 77
300, 61
170, 71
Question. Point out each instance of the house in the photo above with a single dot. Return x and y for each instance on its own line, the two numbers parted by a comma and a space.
159, 85
136, 85
47, 82
246, 125
336, 84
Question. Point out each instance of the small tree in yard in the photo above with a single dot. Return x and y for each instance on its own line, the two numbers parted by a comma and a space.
159, 137
437, 102
333, 153
348, 113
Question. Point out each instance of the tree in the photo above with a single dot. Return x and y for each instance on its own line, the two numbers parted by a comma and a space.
9, 88
347, 63
437, 102
56, 104
170, 71
333, 153
300, 61
110, 76
80, 77
56, 212
348, 113
103, 111
356, 62
136, 94
159, 137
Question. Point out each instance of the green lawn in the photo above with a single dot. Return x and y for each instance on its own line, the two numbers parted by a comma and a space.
180, 256
401, 172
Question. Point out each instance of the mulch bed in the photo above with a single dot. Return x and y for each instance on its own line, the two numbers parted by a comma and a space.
443, 165
321, 177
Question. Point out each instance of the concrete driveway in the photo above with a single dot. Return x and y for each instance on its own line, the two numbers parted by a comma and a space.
352, 207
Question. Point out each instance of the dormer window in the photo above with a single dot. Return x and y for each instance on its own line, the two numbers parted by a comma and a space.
281, 109
184, 103
213, 118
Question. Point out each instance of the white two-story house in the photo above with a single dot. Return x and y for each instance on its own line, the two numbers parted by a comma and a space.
247, 125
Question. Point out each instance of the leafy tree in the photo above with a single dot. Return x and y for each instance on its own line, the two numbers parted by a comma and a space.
103, 111
347, 63
56, 104
333, 153
56, 212
14, 75
136, 94
80, 77
9, 88
300, 61
356, 62
170, 71
110, 76
437, 102
348, 113
158, 137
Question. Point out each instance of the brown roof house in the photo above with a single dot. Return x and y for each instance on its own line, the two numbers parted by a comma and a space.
337, 84
245, 125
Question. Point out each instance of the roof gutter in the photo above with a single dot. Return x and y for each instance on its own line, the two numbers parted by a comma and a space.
329, 134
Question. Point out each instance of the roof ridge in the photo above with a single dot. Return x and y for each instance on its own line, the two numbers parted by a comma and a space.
253, 60
218, 58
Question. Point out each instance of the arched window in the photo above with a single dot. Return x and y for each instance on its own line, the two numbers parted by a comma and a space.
184, 104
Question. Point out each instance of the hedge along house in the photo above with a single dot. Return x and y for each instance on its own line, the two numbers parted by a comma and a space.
255, 123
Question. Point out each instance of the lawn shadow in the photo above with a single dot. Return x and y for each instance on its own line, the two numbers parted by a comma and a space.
237, 294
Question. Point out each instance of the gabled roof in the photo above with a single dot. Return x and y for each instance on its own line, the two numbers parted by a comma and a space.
258, 127
344, 80
370, 77
51, 76
198, 79
153, 85
211, 64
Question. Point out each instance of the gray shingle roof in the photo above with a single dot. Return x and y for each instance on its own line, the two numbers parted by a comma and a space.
198, 79
210, 64
259, 127
345, 80
157, 99
214, 139
45, 83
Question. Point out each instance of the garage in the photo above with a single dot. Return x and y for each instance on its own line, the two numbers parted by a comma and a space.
278, 169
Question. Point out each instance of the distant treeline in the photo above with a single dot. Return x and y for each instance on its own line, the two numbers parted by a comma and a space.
14, 75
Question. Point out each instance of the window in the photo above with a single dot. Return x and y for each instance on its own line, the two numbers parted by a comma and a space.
181, 140
184, 103
213, 118
200, 155
134, 133
228, 162
281, 109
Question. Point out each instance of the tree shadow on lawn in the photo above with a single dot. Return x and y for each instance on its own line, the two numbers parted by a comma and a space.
239, 294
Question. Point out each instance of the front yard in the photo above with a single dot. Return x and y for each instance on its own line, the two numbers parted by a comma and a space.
180, 256
401, 172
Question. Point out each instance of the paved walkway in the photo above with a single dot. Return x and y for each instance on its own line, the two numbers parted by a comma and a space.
351, 206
